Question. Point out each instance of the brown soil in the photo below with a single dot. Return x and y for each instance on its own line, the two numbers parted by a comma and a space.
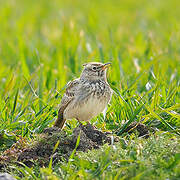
141, 129
90, 138
43, 149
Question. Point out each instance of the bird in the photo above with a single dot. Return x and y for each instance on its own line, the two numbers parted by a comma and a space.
87, 96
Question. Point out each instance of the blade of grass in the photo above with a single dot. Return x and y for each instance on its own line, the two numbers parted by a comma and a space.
15, 101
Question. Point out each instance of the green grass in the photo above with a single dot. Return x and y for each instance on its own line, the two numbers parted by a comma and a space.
44, 44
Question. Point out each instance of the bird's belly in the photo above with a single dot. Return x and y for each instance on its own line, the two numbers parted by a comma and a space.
86, 110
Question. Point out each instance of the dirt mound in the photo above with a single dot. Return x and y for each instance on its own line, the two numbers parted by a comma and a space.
90, 138
43, 149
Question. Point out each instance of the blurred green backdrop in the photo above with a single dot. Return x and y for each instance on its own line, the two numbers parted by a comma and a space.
43, 45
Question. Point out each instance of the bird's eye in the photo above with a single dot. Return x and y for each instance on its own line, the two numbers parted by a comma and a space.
94, 68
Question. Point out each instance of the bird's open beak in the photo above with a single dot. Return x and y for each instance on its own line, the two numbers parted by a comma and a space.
106, 66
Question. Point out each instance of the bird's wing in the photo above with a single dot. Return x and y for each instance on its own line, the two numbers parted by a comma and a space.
71, 90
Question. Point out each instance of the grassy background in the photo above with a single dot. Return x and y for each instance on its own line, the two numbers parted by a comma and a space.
44, 44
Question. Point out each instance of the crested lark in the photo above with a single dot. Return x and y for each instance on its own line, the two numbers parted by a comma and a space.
87, 96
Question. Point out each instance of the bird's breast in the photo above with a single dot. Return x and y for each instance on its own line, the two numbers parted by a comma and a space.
88, 105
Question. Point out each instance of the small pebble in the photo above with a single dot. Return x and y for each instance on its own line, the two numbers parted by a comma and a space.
6, 176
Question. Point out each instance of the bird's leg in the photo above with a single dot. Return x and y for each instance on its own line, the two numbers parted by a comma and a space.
80, 123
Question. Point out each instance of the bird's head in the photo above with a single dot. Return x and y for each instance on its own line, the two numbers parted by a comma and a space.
95, 71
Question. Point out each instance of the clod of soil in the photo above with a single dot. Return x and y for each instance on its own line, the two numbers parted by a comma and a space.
90, 138
143, 131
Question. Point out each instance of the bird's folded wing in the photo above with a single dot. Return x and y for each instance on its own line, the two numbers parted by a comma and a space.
67, 98
71, 90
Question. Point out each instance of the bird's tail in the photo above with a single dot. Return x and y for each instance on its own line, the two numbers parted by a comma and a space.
60, 120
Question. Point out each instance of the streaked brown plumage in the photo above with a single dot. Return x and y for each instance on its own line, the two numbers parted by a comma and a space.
87, 96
